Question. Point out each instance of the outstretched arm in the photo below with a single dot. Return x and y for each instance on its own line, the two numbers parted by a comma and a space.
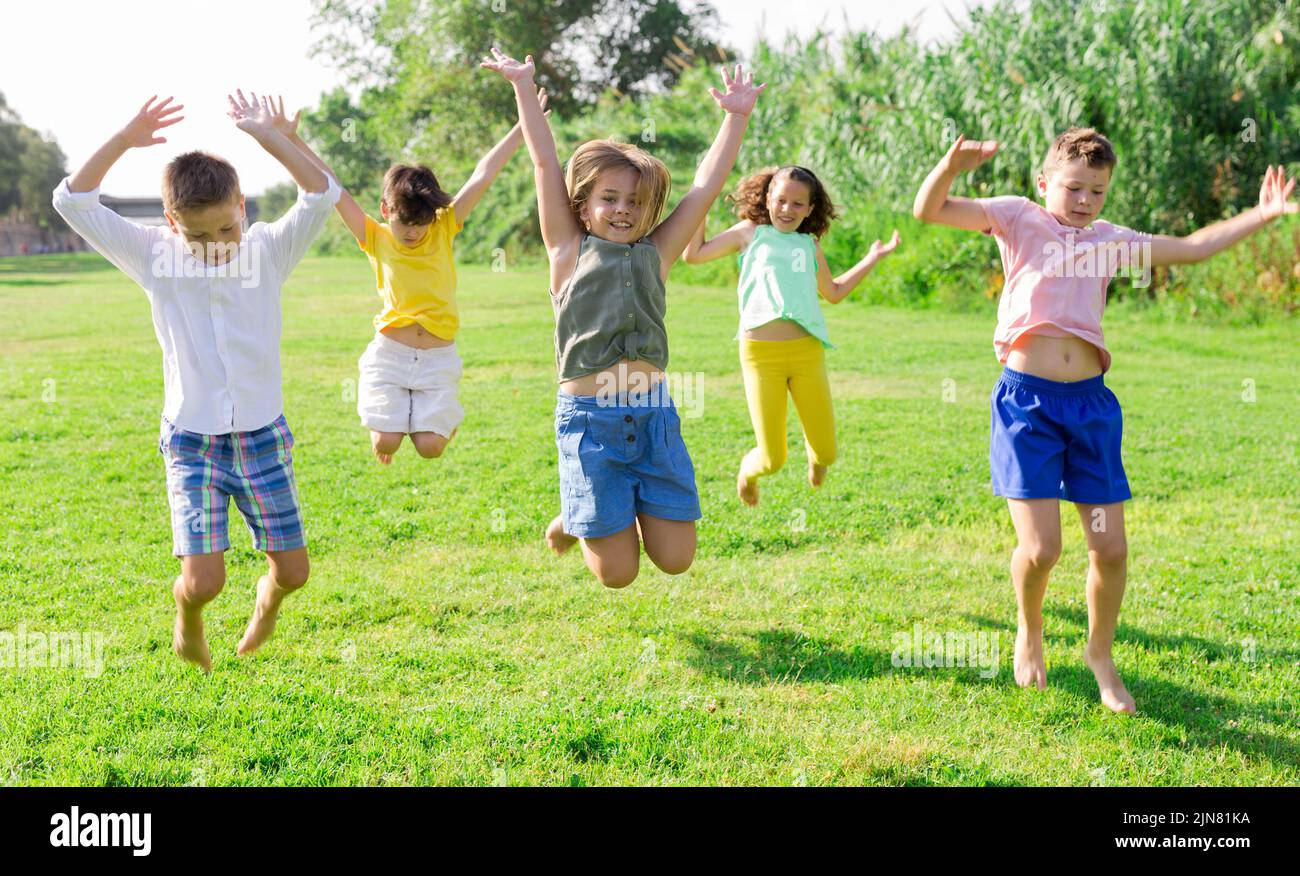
1274, 201
560, 229
838, 288
490, 165
140, 132
256, 118
675, 232
348, 209
934, 204
699, 250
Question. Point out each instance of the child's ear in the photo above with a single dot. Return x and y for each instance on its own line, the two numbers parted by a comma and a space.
1042, 186
383, 210
171, 223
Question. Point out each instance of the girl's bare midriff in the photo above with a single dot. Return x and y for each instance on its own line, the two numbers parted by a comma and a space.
1061, 359
628, 375
777, 330
415, 335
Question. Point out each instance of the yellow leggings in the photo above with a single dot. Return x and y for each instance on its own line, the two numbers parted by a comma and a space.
771, 368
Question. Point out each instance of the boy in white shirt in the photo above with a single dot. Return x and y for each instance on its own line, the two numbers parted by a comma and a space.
214, 292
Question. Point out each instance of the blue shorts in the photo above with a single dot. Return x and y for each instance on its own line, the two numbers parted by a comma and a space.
619, 458
255, 468
1053, 440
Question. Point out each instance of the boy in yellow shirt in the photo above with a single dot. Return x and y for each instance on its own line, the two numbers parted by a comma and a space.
411, 371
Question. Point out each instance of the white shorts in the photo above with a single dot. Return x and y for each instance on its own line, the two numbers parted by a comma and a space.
405, 389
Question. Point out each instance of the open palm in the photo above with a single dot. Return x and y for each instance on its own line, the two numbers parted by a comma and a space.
142, 130
1274, 194
969, 154
253, 116
741, 93
511, 68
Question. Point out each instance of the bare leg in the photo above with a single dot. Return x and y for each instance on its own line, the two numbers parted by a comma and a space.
287, 572
614, 559
201, 579
1103, 525
670, 544
430, 445
385, 444
1038, 535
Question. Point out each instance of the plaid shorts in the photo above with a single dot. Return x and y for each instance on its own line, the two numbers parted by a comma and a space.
255, 468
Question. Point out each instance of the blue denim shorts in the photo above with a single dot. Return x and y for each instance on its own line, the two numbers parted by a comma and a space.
1052, 440
619, 458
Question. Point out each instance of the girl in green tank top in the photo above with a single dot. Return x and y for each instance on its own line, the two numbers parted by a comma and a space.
625, 475
783, 273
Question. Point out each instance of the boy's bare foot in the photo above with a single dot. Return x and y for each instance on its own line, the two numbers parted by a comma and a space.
262, 624
556, 538
1114, 695
385, 458
1029, 667
816, 474
187, 634
747, 490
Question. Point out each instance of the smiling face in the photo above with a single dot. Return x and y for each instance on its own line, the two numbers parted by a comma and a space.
212, 233
788, 203
613, 209
407, 235
1073, 192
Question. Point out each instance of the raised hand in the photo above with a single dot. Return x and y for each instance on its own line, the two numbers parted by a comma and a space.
542, 100
880, 250
283, 124
253, 116
508, 67
141, 130
1274, 194
741, 93
967, 155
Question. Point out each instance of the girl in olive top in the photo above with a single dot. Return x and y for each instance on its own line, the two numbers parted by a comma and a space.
784, 212
625, 475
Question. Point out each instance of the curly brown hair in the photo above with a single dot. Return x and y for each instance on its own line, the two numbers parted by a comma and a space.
750, 198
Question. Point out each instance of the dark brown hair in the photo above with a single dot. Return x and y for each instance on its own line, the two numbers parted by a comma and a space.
1086, 143
197, 179
412, 194
750, 198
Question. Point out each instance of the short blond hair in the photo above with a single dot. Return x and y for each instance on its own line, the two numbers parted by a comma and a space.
594, 157
198, 179
1086, 143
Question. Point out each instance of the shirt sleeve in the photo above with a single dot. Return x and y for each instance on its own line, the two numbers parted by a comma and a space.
287, 238
1002, 213
129, 246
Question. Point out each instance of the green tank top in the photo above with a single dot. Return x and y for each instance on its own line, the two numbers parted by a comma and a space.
778, 280
612, 308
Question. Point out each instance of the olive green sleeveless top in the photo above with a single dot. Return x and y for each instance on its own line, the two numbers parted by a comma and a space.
612, 308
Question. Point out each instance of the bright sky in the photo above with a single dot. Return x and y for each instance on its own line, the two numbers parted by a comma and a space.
79, 69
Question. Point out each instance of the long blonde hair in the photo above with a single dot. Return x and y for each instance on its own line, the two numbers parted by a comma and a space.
594, 157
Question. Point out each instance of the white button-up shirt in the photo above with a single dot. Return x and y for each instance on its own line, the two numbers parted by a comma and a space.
218, 325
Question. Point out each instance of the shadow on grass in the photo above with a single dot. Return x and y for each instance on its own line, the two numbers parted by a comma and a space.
777, 656
1202, 719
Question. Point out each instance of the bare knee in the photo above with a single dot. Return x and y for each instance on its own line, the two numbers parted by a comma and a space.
1112, 553
290, 573
202, 585
617, 577
385, 442
429, 444
1041, 554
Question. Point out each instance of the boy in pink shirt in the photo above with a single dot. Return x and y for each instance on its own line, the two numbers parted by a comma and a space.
1056, 428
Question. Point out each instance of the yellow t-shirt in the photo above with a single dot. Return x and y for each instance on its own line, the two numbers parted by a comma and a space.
416, 283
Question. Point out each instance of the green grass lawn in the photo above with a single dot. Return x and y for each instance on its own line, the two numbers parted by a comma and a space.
439, 642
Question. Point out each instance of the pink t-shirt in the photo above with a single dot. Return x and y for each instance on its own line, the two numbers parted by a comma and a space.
1056, 275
